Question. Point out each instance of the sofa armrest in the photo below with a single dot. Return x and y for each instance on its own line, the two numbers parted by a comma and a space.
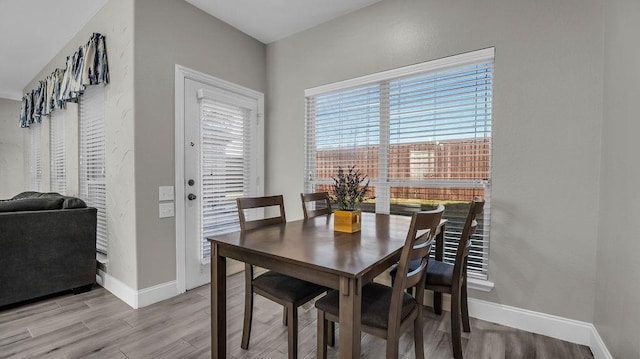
44, 252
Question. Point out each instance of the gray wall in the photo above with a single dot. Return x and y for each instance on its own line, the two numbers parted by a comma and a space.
617, 316
547, 125
170, 32
12, 179
115, 21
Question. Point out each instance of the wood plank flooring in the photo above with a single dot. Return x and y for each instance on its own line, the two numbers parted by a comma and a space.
96, 324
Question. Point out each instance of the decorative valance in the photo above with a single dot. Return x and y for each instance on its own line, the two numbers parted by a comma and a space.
87, 66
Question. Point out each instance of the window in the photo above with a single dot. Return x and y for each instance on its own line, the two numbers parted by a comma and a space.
228, 130
35, 166
422, 164
58, 171
92, 158
421, 133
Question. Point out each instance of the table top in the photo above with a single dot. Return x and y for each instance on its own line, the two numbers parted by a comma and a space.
313, 243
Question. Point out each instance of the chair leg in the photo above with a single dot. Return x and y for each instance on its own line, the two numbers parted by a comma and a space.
418, 337
437, 302
284, 316
292, 321
248, 314
465, 308
331, 334
393, 344
456, 339
322, 336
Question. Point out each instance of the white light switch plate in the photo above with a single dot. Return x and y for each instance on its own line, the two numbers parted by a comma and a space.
165, 193
166, 210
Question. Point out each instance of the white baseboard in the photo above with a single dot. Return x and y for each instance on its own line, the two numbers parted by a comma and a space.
157, 293
137, 299
598, 348
569, 330
119, 289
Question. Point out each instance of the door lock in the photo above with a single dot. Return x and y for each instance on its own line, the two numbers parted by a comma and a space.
191, 196
191, 182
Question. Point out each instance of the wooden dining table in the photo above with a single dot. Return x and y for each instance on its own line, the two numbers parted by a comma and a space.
311, 250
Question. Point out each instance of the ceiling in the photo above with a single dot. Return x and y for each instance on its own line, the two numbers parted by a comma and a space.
272, 20
32, 32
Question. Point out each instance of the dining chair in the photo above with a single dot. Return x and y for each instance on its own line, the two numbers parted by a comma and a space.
317, 197
324, 209
386, 311
285, 290
448, 278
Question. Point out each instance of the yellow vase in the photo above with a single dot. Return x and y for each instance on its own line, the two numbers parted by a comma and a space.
347, 221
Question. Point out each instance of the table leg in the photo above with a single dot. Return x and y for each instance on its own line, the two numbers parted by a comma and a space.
350, 310
218, 304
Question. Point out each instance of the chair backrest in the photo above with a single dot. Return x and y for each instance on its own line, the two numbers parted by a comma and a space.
417, 246
315, 197
260, 202
470, 225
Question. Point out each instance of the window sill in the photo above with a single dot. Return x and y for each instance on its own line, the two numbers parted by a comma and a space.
480, 284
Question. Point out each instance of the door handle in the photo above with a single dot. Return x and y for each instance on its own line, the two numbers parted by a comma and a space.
191, 196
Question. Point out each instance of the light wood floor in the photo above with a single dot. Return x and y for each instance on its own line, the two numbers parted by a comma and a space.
98, 325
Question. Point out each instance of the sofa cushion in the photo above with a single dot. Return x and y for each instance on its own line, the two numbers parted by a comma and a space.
28, 194
68, 203
73, 202
31, 204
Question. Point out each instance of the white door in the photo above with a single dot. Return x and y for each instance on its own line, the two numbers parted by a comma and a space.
223, 161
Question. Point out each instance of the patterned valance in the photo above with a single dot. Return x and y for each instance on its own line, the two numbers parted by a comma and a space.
87, 66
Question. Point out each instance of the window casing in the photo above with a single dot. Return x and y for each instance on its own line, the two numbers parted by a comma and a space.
58, 172
421, 133
93, 159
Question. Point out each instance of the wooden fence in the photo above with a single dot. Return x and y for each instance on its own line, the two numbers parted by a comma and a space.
442, 160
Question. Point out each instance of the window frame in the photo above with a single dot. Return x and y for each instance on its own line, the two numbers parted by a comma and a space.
383, 184
249, 106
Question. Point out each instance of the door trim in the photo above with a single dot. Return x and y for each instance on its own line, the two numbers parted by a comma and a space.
183, 73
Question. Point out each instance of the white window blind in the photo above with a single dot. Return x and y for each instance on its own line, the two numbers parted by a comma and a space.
226, 132
422, 134
92, 158
343, 130
35, 155
57, 163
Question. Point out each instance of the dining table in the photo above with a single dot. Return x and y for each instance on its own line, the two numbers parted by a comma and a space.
311, 250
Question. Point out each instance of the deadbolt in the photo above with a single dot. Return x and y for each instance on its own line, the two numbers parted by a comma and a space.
191, 182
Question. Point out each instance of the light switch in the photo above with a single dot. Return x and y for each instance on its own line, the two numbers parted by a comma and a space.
166, 210
165, 193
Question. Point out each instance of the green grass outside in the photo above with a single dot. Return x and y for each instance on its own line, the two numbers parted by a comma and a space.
428, 202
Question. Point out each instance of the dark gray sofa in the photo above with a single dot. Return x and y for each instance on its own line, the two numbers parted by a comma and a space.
47, 245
